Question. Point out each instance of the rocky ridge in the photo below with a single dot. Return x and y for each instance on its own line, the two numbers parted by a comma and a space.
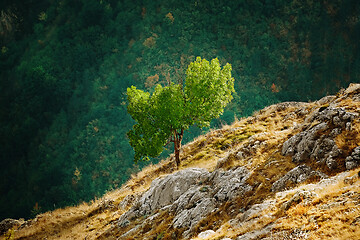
291, 171
189, 195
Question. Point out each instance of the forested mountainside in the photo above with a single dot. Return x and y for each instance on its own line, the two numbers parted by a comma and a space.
289, 171
65, 67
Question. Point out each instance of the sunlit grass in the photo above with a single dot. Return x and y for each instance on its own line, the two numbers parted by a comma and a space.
254, 143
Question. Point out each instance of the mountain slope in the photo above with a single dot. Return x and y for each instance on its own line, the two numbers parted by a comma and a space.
290, 171
65, 67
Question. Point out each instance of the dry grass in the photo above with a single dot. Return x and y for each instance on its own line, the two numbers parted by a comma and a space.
64, 223
348, 140
253, 142
331, 215
89, 220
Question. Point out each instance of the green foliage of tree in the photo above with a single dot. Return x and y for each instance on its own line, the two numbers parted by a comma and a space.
163, 115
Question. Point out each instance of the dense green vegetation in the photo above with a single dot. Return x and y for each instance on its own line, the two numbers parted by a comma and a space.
65, 67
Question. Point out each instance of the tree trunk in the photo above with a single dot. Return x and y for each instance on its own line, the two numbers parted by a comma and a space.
177, 146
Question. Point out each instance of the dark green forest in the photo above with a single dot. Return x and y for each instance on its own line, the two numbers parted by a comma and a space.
65, 67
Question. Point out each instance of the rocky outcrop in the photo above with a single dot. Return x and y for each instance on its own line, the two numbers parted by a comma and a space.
229, 184
165, 191
187, 197
316, 141
188, 218
248, 195
297, 175
353, 92
9, 223
206, 234
190, 195
263, 223
304, 196
255, 211
127, 201
256, 234
249, 219
353, 161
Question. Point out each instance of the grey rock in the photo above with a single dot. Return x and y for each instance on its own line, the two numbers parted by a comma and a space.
206, 234
326, 115
302, 111
229, 184
356, 153
199, 201
301, 145
256, 234
189, 195
9, 223
356, 97
338, 122
349, 116
289, 147
127, 201
285, 105
165, 191
353, 88
190, 198
130, 232
150, 219
296, 234
325, 151
123, 223
300, 196
337, 116
322, 148
348, 126
298, 174
331, 163
326, 99
255, 210
335, 132
353, 161
317, 141
351, 165
124, 219
190, 217
106, 204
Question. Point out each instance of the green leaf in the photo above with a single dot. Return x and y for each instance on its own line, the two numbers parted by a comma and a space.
164, 115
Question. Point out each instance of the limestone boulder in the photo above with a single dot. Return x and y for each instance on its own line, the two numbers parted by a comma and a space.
297, 175
353, 161
190, 217
189, 195
317, 140
165, 191
229, 184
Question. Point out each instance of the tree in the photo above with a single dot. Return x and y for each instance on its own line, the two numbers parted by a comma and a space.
162, 117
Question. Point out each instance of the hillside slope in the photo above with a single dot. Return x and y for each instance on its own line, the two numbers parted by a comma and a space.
65, 67
290, 171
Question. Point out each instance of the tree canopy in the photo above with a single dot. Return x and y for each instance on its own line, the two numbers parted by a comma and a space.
163, 115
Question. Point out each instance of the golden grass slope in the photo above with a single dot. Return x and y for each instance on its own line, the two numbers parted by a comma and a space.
255, 142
